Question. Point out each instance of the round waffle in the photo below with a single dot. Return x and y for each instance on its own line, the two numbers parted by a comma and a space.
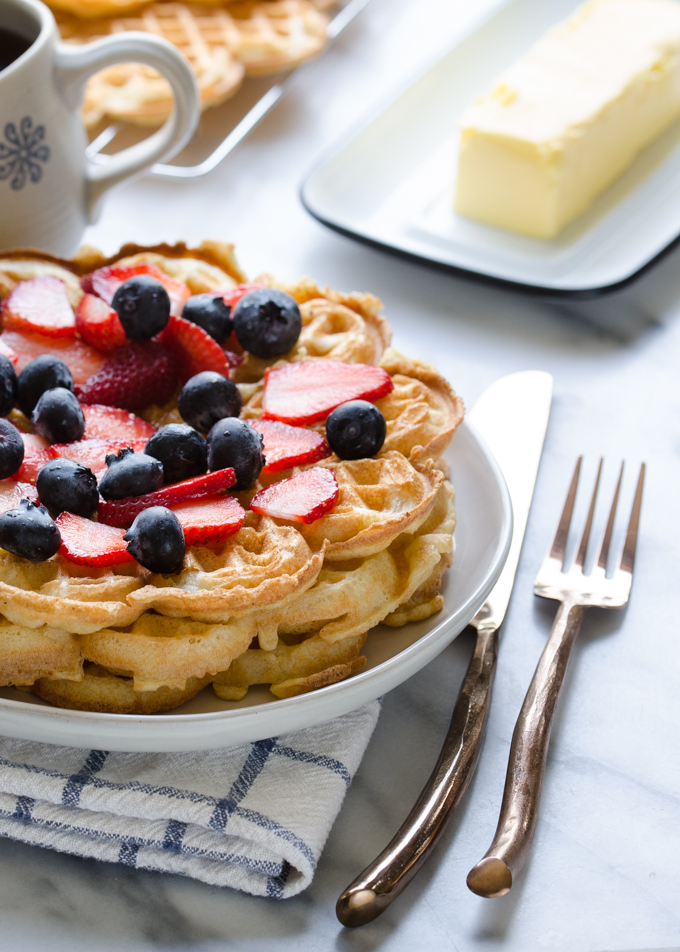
325, 627
108, 693
379, 499
29, 653
222, 43
277, 603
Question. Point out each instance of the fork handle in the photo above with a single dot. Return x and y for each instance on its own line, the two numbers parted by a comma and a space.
494, 874
381, 882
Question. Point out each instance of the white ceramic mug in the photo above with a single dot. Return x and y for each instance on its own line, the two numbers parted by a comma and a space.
49, 189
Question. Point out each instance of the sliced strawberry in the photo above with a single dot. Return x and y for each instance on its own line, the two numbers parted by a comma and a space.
304, 497
286, 446
110, 423
99, 325
37, 452
7, 352
234, 295
134, 377
194, 349
106, 281
33, 443
39, 306
82, 360
11, 494
232, 348
122, 512
233, 359
93, 453
90, 543
212, 519
307, 391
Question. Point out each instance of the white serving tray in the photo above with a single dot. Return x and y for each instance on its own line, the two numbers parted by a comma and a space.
390, 183
482, 539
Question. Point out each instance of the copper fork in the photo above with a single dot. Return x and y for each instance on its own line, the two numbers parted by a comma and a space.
494, 874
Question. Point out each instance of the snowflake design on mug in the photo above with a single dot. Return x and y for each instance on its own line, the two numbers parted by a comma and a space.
21, 158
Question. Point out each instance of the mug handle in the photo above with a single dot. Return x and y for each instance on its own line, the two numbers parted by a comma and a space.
75, 65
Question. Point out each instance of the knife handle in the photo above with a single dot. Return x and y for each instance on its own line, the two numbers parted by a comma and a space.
381, 882
494, 874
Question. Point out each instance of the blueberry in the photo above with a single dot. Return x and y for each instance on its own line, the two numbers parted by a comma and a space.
66, 486
44, 373
11, 449
211, 313
143, 306
130, 474
181, 449
231, 442
29, 531
355, 430
208, 397
8, 385
156, 540
267, 322
58, 417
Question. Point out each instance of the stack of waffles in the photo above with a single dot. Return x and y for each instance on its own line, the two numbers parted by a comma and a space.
279, 603
224, 42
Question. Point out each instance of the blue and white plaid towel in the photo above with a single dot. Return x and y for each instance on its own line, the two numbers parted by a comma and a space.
254, 817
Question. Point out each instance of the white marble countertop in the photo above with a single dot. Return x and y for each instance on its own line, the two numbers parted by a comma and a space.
603, 873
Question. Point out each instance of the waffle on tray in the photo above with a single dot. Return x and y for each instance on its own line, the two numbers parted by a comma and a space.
222, 41
278, 603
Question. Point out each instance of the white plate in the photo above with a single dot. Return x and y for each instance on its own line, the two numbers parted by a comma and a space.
482, 539
390, 184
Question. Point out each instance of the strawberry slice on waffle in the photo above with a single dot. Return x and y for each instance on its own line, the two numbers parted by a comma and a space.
212, 519
39, 306
93, 453
91, 543
82, 360
306, 392
11, 494
37, 452
286, 446
106, 281
135, 376
193, 348
7, 352
232, 296
99, 325
122, 512
304, 497
111, 423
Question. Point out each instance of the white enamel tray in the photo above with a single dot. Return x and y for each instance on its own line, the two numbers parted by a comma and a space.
390, 184
482, 539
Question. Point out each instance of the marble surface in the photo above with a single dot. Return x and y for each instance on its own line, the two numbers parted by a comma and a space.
603, 873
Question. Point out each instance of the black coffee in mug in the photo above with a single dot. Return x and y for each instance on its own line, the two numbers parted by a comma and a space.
11, 47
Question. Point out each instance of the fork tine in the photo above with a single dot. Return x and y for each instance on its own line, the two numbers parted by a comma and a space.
559, 542
585, 538
603, 556
628, 554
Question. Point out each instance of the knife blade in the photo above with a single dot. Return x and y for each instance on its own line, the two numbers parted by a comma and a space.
512, 417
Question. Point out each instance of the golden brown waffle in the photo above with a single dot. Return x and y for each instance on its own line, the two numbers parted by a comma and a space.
137, 93
108, 693
344, 601
222, 43
29, 653
276, 603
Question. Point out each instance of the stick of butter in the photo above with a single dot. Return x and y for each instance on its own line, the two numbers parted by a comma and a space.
565, 120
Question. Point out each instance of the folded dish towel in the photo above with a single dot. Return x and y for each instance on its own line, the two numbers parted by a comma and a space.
254, 817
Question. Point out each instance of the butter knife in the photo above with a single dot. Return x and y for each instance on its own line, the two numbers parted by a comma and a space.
512, 417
